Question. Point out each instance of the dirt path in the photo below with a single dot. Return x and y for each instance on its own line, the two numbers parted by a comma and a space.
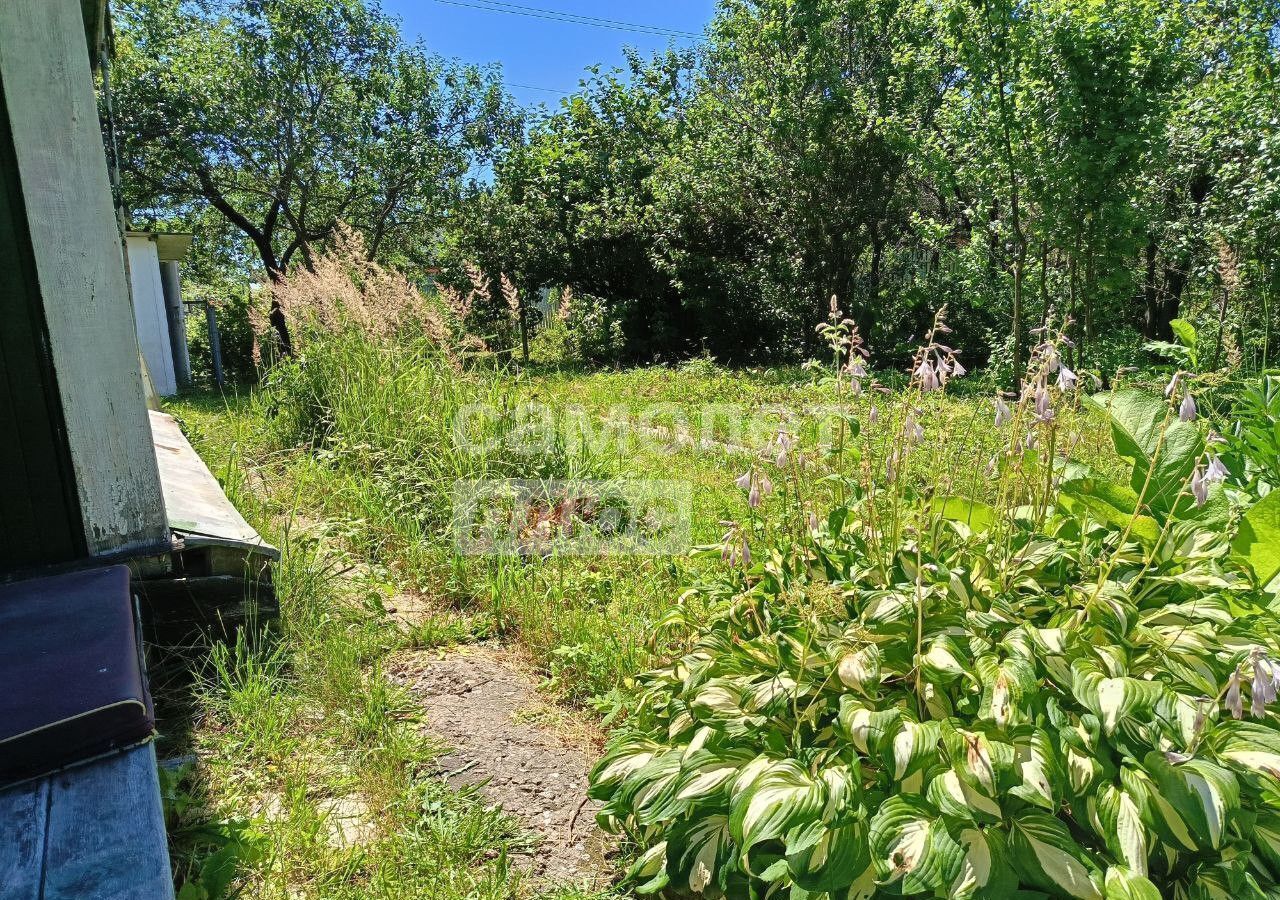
482, 704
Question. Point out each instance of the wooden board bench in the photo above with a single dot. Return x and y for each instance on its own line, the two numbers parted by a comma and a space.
92, 832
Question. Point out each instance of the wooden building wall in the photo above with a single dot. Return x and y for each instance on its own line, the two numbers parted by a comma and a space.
78, 267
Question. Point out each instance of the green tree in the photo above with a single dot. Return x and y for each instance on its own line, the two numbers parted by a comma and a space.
290, 116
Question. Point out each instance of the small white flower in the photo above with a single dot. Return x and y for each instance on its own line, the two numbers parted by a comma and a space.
1187, 411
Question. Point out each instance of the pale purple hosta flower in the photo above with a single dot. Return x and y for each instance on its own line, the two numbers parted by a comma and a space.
1233, 700
1216, 473
813, 521
891, 467
1263, 687
1172, 386
1030, 442
784, 443
1052, 359
873, 415
957, 370
928, 376
993, 466
734, 547
914, 431
1004, 415
1066, 379
1187, 411
1215, 440
1044, 404
744, 481
754, 499
1199, 487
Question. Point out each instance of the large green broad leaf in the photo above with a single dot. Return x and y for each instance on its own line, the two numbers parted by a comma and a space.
1045, 855
1258, 539
1161, 466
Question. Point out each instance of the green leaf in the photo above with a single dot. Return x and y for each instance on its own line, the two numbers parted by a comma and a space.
1258, 538
1045, 855
1162, 449
1185, 332
977, 515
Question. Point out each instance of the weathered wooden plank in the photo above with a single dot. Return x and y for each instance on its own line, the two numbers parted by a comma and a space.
195, 504
22, 812
149, 312
62, 169
106, 837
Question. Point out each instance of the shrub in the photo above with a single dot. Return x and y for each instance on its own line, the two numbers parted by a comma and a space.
921, 695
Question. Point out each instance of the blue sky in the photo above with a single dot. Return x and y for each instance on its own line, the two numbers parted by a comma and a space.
542, 58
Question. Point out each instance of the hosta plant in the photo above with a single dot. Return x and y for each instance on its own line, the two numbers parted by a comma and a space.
917, 695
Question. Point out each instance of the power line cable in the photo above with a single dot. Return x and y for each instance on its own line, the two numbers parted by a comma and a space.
534, 87
551, 15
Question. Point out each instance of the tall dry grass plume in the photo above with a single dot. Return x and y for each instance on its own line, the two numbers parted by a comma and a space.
343, 288
511, 294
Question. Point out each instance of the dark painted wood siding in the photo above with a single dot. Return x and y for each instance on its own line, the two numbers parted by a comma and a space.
39, 514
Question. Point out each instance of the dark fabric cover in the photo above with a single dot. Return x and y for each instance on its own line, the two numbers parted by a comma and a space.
71, 679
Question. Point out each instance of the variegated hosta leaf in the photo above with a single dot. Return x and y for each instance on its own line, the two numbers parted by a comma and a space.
1037, 766
984, 870
1205, 796
985, 763
704, 775
834, 862
1112, 699
649, 873
1123, 884
958, 799
1006, 683
944, 660
1117, 819
1045, 855
913, 747
866, 728
1266, 841
1158, 814
1251, 748
619, 762
700, 852
911, 848
859, 670
782, 796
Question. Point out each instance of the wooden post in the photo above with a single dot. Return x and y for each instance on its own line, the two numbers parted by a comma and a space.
171, 281
215, 343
